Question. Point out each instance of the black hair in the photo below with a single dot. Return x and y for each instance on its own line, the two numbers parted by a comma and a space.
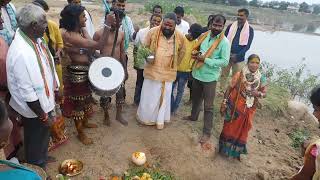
246, 11
315, 96
70, 16
179, 10
155, 7
122, 1
218, 17
43, 4
155, 15
210, 17
171, 16
195, 30
3, 113
252, 56
69, 1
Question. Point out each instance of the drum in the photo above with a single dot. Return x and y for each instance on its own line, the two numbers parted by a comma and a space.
106, 75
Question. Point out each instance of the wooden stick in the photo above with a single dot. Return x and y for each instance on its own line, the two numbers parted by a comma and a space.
237, 98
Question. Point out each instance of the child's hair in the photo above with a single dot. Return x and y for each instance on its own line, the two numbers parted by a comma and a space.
315, 96
195, 30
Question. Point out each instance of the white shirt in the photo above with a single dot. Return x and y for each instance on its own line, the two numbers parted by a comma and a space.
24, 78
89, 24
6, 19
183, 27
141, 35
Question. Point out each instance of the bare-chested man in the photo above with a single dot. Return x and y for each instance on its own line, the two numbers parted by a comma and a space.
120, 55
78, 46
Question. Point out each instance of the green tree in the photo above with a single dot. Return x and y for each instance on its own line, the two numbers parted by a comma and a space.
316, 10
283, 5
254, 3
304, 7
238, 2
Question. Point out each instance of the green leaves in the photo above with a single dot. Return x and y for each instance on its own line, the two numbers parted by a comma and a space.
154, 173
142, 54
298, 136
297, 80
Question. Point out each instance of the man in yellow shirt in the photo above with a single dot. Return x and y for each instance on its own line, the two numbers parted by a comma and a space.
185, 67
167, 45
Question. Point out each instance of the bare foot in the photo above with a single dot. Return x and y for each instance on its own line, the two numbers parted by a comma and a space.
120, 118
160, 126
207, 146
89, 125
204, 139
84, 139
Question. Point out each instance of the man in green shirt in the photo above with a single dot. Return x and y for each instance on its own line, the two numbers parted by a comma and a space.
206, 76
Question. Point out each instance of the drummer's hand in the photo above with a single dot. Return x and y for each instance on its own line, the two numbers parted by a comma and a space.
110, 20
59, 53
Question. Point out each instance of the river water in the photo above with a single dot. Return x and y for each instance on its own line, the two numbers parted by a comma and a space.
287, 49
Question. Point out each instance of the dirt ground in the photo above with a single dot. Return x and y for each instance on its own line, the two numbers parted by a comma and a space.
175, 148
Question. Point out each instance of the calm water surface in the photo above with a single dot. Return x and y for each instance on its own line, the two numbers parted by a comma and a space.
286, 49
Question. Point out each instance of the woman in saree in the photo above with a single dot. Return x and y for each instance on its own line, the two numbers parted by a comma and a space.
239, 106
311, 165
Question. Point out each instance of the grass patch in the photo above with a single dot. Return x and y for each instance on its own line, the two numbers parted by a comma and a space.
155, 174
298, 136
276, 101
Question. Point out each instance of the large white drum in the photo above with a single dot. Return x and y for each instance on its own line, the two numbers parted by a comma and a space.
106, 75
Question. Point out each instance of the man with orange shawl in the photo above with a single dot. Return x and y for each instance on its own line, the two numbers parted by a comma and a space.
212, 52
311, 165
167, 45
239, 106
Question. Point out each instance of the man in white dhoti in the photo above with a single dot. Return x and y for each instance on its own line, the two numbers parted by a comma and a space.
166, 43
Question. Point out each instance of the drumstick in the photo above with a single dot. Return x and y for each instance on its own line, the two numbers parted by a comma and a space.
116, 34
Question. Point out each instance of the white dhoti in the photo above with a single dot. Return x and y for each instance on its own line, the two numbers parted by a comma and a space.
155, 102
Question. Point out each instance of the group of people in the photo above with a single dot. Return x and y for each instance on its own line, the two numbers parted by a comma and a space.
44, 70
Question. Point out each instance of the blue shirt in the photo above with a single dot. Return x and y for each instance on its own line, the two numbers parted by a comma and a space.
240, 51
17, 172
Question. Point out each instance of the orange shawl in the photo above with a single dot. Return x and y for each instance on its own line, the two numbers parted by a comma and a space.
198, 64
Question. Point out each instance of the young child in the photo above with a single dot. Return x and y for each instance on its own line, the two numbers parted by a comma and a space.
185, 67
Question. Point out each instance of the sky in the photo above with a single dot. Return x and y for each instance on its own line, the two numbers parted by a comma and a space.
300, 1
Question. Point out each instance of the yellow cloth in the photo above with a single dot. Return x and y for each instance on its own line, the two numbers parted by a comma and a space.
57, 42
186, 63
316, 175
168, 54
59, 73
55, 35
